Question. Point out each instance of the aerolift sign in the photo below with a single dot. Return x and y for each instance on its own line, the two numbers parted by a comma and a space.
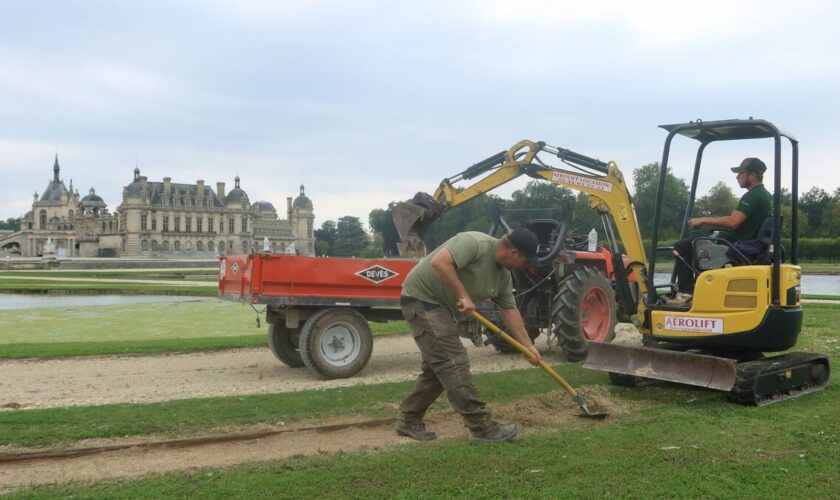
690, 324
579, 180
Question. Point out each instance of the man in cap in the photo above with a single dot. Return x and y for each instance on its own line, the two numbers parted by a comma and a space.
469, 268
742, 224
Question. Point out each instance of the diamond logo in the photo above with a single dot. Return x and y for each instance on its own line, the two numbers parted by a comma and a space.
235, 267
377, 274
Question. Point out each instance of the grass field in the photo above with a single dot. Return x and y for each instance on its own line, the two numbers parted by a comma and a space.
682, 442
122, 329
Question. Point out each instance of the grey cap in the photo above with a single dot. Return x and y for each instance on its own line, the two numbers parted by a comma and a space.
750, 165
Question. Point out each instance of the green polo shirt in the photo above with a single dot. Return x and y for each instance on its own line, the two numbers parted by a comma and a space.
756, 204
474, 254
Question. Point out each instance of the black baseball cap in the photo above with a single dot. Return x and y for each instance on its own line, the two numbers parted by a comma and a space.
526, 242
750, 165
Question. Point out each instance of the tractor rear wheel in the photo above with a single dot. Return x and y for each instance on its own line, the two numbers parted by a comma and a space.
336, 343
496, 340
584, 310
283, 342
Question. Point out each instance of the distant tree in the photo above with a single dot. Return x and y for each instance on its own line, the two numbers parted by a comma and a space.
719, 201
12, 223
814, 204
382, 224
374, 249
674, 201
350, 237
539, 199
325, 239
831, 215
474, 215
585, 218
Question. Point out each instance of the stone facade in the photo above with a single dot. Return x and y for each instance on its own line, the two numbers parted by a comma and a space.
160, 219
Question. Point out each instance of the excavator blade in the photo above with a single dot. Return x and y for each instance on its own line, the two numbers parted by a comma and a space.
660, 364
412, 219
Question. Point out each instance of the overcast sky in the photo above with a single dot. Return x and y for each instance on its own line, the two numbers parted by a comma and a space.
365, 102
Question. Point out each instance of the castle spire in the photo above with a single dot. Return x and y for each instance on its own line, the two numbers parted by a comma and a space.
55, 169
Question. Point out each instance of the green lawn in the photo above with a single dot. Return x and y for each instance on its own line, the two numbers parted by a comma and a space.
137, 328
678, 442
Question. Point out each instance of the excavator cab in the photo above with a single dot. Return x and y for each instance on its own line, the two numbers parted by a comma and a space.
749, 303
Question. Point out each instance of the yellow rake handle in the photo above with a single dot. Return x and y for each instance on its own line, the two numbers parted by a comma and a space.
528, 354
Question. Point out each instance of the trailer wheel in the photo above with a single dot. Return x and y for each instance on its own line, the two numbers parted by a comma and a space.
336, 343
283, 342
584, 310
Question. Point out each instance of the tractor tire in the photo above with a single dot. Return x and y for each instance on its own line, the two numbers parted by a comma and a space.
584, 310
336, 343
497, 341
283, 342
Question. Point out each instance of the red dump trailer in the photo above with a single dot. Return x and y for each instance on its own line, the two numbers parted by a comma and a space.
317, 308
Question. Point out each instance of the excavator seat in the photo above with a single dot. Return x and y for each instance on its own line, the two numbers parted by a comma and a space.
714, 252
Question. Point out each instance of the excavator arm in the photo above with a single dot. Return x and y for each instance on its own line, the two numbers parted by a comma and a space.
605, 186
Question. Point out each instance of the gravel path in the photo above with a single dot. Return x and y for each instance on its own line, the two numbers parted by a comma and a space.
144, 379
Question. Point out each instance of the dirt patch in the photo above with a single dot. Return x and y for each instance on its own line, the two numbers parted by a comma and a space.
536, 414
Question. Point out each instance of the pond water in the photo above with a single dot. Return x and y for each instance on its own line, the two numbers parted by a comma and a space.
812, 284
14, 301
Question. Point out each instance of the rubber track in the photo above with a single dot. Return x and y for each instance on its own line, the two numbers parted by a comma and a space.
53, 454
749, 372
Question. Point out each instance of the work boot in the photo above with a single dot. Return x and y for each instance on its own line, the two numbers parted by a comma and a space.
415, 431
494, 433
680, 300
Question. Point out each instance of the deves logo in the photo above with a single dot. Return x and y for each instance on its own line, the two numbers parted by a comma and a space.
377, 274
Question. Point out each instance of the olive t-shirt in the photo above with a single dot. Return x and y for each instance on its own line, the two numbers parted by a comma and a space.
756, 204
474, 256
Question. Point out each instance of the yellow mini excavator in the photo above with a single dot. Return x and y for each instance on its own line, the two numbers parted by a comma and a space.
738, 313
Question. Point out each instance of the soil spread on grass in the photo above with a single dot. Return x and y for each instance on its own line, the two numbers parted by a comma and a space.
549, 412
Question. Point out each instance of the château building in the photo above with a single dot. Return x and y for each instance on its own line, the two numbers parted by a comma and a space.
160, 219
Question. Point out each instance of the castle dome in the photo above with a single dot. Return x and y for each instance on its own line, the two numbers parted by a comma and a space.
302, 201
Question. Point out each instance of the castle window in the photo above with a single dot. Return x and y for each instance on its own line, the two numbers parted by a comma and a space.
177, 246
244, 224
166, 245
177, 224
154, 224
199, 246
166, 224
42, 219
231, 225
188, 224
154, 245
210, 221
199, 222
143, 223
221, 246
210, 246
144, 244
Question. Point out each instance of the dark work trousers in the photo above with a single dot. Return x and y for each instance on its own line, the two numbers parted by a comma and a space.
685, 276
445, 366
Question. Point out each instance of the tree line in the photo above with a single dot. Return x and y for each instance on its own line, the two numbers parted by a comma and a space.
819, 215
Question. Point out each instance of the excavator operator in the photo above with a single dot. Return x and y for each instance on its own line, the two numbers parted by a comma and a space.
742, 224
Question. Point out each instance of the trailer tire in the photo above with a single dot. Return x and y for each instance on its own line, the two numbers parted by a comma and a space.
336, 343
584, 310
284, 342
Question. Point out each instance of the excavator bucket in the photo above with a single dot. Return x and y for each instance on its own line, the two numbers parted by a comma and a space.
660, 364
412, 219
